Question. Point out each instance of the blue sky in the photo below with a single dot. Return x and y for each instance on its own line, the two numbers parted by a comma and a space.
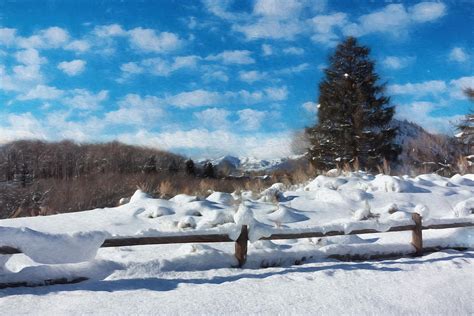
207, 78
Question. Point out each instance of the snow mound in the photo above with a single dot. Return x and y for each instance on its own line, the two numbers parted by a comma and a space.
182, 199
386, 183
53, 248
139, 195
187, 222
361, 213
256, 229
464, 208
158, 211
286, 214
275, 192
221, 198
461, 180
325, 182
215, 219
423, 210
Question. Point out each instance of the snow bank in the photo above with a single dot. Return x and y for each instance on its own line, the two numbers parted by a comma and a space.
36, 275
53, 248
285, 214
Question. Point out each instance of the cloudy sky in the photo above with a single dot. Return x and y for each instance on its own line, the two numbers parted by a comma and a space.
207, 78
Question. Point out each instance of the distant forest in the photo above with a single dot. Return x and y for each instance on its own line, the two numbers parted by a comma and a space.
42, 178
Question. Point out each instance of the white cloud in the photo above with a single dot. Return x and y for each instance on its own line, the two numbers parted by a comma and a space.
277, 19
131, 68
7, 36
293, 50
136, 110
42, 92
421, 113
21, 126
457, 87
29, 56
78, 46
277, 94
427, 11
82, 99
391, 18
73, 67
185, 62
53, 127
311, 107
394, 62
158, 66
252, 76
278, 9
147, 40
419, 89
238, 57
270, 29
59, 127
216, 143
293, 69
52, 37
55, 36
251, 120
213, 118
28, 73
220, 8
110, 30
453, 88
194, 98
246, 97
458, 54
395, 18
267, 50
324, 27
216, 75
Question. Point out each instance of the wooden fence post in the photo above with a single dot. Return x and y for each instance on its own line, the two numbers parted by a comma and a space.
417, 235
241, 246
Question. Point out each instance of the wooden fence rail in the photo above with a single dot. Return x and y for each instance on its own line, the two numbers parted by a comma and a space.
242, 242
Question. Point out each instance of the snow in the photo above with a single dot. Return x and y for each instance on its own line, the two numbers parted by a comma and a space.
464, 208
188, 283
53, 248
184, 279
221, 198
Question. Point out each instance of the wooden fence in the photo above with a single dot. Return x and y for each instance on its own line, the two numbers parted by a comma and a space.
242, 241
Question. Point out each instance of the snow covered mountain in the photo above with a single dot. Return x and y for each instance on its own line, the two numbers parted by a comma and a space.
238, 165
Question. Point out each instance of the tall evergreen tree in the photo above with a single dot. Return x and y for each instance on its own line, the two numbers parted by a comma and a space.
354, 115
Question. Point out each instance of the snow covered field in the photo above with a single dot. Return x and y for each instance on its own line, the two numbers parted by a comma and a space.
199, 278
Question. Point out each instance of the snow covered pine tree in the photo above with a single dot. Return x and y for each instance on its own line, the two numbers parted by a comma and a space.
353, 114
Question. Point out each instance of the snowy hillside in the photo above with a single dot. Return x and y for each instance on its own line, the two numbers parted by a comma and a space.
163, 277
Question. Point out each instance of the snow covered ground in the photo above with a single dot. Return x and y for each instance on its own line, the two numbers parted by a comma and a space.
200, 278
436, 284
